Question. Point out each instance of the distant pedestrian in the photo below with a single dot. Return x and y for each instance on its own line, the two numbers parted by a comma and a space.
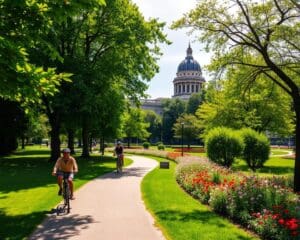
120, 156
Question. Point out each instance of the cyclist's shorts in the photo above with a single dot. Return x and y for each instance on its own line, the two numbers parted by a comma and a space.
71, 175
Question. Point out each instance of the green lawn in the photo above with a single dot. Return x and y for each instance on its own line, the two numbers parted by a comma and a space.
28, 191
180, 216
274, 166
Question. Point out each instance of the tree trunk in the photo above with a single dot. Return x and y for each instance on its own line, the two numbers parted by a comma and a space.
71, 140
85, 139
297, 145
128, 142
79, 143
55, 141
23, 142
102, 147
91, 144
54, 121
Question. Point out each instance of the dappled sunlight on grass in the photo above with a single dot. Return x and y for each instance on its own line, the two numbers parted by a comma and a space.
28, 190
275, 165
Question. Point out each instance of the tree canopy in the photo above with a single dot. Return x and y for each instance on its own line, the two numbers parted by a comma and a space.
260, 35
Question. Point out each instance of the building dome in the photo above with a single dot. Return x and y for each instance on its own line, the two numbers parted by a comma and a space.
188, 78
189, 64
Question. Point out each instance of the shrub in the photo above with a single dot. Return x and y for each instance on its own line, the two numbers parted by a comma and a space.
159, 143
257, 148
146, 145
223, 145
160, 147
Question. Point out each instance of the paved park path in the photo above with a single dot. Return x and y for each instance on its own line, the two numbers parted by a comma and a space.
109, 207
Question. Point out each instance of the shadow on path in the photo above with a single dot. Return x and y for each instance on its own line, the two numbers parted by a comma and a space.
127, 172
65, 227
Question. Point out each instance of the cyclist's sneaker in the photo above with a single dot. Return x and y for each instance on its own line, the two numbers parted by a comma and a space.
72, 197
59, 191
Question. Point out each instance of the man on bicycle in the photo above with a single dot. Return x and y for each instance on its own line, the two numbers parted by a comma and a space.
66, 164
120, 157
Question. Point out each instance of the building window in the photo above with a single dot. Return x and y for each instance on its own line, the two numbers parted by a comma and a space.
188, 88
197, 88
179, 88
193, 88
183, 88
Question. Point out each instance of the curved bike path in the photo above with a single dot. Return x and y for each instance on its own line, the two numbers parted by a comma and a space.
109, 207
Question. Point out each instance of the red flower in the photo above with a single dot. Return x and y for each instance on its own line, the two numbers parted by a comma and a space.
281, 221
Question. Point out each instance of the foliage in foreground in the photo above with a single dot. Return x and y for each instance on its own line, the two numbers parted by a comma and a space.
267, 206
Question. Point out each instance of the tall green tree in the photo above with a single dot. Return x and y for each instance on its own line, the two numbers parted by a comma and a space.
134, 125
267, 31
172, 109
195, 100
155, 125
186, 127
261, 106
24, 25
102, 46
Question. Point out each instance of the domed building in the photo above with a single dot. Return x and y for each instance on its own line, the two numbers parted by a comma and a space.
188, 78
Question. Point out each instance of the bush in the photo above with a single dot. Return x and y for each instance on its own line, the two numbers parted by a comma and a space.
146, 145
160, 147
257, 148
223, 145
159, 143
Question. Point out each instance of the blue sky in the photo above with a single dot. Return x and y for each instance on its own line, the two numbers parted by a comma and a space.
168, 11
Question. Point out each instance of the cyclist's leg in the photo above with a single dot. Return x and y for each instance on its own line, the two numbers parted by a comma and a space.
70, 182
120, 162
117, 164
71, 185
59, 182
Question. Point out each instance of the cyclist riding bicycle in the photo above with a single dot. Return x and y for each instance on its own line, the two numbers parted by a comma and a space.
65, 164
120, 157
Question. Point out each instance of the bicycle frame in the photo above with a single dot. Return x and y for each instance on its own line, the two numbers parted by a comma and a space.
66, 192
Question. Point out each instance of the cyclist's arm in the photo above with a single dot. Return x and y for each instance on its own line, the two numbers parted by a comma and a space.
75, 166
56, 166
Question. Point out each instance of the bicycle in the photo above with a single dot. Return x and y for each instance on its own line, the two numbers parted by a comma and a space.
66, 193
120, 162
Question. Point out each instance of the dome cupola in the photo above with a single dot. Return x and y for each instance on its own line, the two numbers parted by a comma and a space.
188, 78
189, 64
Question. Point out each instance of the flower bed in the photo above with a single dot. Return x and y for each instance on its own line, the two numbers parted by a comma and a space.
265, 205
